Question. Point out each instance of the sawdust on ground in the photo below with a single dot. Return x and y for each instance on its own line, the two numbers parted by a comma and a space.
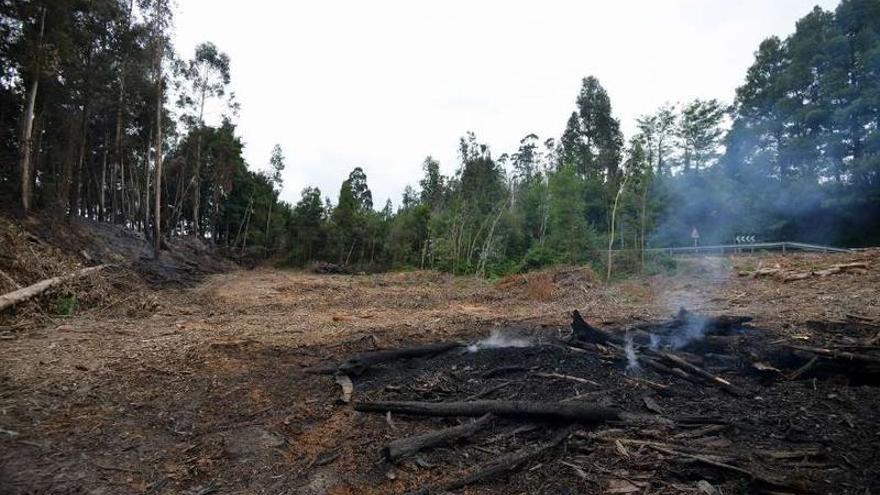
206, 390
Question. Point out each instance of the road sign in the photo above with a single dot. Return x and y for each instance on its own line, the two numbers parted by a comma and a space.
744, 239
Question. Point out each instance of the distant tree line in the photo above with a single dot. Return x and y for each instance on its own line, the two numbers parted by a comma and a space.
97, 110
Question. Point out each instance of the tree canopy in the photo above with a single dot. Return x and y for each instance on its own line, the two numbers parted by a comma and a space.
87, 130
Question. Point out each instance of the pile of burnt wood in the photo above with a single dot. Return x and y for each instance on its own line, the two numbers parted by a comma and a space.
677, 348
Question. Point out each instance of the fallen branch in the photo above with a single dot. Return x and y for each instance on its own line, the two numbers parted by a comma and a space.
793, 277
841, 355
715, 380
788, 275
18, 296
779, 482
662, 368
803, 369
503, 464
404, 447
567, 377
546, 411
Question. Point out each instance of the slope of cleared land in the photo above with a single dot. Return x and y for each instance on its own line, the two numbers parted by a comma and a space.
205, 391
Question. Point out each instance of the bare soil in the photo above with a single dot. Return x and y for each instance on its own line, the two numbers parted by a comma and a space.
205, 391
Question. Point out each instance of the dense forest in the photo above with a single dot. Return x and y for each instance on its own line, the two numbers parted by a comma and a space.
100, 118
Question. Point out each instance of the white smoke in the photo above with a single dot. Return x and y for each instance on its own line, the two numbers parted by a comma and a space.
496, 339
697, 295
693, 329
632, 362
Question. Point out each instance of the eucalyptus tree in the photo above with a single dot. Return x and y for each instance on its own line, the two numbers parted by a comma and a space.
159, 28
26, 143
600, 131
699, 132
658, 134
432, 184
276, 167
527, 158
208, 75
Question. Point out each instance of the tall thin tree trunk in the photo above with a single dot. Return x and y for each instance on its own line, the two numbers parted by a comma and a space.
26, 145
117, 196
157, 181
244, 217
74, 200
117, 155
642, 222
102, 205
146, 212
613, 218
247, 227
197, 177
545, 216
123, 194
268, 223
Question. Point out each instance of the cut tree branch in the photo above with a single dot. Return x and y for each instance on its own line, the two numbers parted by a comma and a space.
839, 355
21, 295
546, 411
403, 447
503, 464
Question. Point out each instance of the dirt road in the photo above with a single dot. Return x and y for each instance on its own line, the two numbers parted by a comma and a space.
208, 395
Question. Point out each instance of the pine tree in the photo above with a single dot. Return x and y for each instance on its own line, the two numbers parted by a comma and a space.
699, 132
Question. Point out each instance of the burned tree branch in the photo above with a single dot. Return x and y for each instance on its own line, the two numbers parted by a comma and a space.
404, 447
839, 355
545, 411
715, 380
662, 368
585, 332
503, 464
711, 325
560, 376
761, 478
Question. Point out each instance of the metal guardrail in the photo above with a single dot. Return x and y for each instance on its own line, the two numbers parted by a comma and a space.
750, 248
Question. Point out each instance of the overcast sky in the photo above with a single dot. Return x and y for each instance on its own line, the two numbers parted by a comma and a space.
382, 84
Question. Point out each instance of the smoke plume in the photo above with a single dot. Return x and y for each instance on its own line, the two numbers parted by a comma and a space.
497, 339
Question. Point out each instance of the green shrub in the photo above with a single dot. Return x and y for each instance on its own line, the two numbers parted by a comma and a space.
65, 304
659, 262
539, 257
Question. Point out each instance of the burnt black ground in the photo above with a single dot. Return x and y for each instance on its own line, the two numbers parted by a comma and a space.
776, 415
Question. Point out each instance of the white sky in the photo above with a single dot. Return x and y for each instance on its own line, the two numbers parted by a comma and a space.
381, 84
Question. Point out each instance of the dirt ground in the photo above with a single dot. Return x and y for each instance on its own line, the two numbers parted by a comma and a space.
205, 391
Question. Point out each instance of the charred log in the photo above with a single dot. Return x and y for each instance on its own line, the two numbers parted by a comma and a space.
837, 355
585, 332
696, 370
535, 411
408, 446
711, 325
498, 466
